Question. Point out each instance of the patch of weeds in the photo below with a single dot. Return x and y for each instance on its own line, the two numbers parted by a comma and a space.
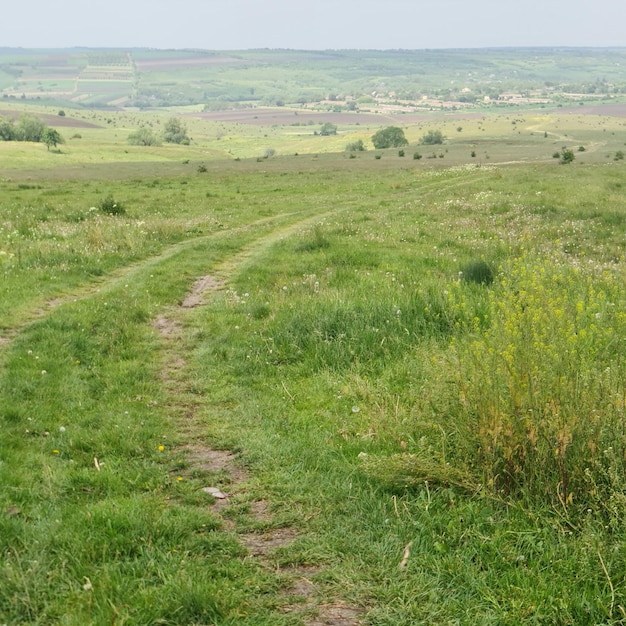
110, 206
479, 272
260, 311
318, 242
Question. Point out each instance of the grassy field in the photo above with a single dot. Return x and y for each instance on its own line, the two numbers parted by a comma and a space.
313, 389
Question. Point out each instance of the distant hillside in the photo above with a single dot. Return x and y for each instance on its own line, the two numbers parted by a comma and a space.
335, 80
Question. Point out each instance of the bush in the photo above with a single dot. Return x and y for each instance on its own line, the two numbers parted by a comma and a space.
390, 137
175, 131
432, 138
143, 137
356, 146
479, 272
328, 129
542, 386
417, 156
566, 156
110, 206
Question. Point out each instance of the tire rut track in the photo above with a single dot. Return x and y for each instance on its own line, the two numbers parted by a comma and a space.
301, 593
40, 310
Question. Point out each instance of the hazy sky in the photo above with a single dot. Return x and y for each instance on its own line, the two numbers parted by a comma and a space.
312, 24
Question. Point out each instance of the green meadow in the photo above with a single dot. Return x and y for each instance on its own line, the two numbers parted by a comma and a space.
261, 380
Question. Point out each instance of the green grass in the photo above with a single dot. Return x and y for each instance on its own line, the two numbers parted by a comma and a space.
332, 362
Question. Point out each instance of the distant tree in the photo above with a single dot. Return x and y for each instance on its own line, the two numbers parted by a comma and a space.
619, 155
61, 113
432, 137
356, 146
7, 130
175, 131
143, 137
29, 128
51, 137
390, 137
328, 129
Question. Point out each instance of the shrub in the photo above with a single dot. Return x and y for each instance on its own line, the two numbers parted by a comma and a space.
110, 206
479, 272
356, 146
143, 137
328, 129
417, 156
400, 153
175, 131
432, 137
390, 137
542, 387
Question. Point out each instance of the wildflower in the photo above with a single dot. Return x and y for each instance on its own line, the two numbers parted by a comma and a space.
355, 409
161, 448
43, 372
62, 429
55, 452
179, 479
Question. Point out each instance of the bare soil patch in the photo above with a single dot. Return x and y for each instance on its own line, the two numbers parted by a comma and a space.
336, 615
210, 460
288, 117
200, 288
167, 326
52, 120
262, 545
174, 64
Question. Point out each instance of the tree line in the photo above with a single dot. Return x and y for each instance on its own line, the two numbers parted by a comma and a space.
29, 128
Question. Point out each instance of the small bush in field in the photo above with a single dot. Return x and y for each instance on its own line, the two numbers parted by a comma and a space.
110, 206
479, 272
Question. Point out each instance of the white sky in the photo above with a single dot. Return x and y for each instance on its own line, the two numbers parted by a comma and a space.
313, 24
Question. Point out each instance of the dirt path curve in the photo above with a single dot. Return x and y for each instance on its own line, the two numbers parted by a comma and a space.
122, 275
300, 595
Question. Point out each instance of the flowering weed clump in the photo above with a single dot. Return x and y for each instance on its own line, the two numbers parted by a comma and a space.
542, 388
110, 206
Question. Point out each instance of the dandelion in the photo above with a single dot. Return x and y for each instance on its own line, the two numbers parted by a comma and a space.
43, 372
179, 479
161, 448
55, 452
355, 409
62, 429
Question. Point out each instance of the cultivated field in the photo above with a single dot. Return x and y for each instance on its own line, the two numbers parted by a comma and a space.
262, 380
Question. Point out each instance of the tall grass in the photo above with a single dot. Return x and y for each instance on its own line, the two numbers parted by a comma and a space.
542, 389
